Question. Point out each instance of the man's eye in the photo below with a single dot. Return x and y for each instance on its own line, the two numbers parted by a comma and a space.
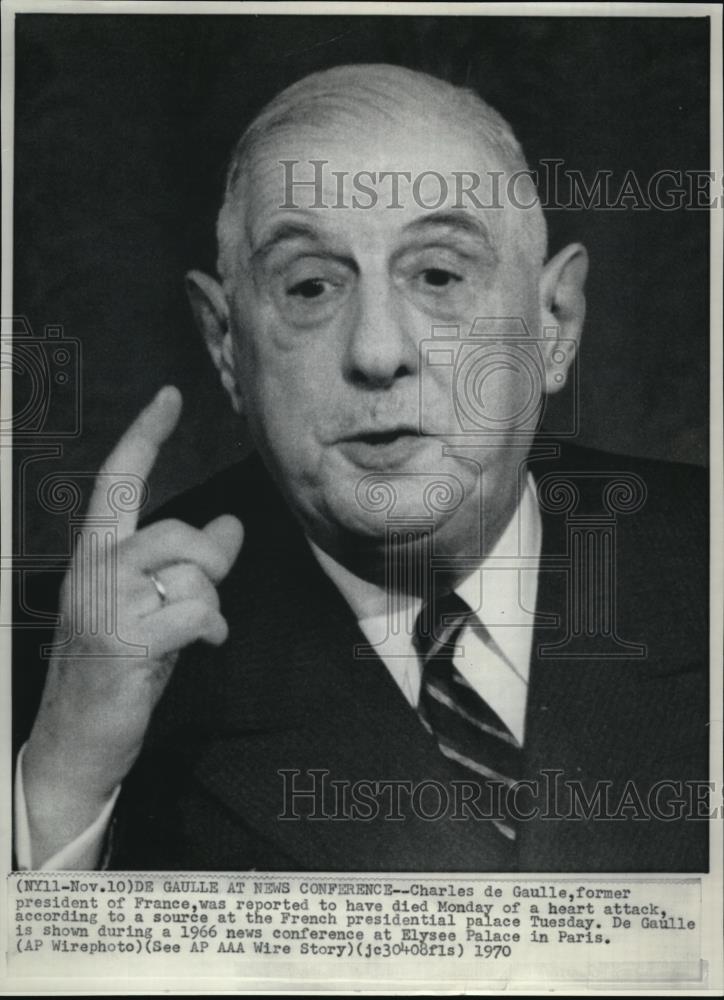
310, 295
310, 288
437, 277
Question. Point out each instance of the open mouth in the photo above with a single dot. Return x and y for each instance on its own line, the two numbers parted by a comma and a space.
381, 449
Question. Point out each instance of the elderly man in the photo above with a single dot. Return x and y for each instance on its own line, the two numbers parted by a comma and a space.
445, 643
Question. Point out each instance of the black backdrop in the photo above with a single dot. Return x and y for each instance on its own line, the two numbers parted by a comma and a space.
123, 125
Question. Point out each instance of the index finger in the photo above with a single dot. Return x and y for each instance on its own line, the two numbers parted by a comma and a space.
135, 455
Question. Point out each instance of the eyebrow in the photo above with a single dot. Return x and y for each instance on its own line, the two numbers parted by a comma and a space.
285, 231
460, 222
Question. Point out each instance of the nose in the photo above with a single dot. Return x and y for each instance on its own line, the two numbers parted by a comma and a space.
381, 348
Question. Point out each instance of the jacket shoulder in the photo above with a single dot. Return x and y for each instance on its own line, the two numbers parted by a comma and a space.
674, 491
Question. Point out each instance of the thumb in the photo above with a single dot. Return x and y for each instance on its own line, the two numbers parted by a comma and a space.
227, 533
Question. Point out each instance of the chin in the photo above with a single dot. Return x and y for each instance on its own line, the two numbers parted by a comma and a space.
382, 514
344, 516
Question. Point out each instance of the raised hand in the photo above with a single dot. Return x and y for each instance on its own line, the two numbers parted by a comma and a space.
100, 693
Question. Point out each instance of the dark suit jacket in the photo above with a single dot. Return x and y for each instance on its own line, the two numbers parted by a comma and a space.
612, 713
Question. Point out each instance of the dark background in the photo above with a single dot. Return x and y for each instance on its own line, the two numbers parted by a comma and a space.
123, 125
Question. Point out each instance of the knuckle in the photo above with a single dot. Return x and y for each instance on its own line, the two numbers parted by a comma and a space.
198, 585
171, 528
197, 611
189, 578
215, 556
194, 579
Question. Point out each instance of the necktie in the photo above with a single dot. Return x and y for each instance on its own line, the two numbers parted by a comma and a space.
468, 731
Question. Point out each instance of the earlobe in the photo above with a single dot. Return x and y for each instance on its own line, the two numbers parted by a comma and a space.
211, 313
563, 310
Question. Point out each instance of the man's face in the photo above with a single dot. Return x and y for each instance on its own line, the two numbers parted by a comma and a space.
329, 315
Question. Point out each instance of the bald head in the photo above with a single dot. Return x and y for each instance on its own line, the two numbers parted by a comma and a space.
390, 101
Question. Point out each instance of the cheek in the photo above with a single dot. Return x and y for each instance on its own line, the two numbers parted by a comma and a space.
513, 388
520, 295
287, 381
514, 367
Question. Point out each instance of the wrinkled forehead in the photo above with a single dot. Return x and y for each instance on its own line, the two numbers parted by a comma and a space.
378, 170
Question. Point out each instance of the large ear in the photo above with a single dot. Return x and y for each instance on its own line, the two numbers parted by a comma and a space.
563, 309
211, 312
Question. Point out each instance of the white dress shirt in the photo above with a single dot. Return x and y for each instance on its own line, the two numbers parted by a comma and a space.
502, 593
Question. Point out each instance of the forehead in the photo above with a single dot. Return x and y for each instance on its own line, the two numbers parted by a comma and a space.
371, 177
